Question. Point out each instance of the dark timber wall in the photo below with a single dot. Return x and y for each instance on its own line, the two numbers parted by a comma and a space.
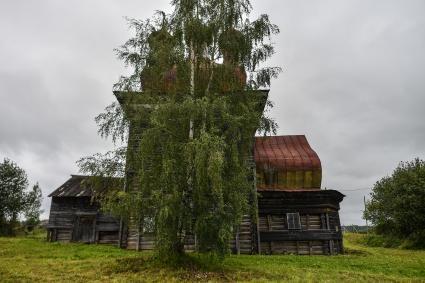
320, 229
76, 219
242, 242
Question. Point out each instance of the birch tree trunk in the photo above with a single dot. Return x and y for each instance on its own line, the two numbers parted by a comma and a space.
192, 84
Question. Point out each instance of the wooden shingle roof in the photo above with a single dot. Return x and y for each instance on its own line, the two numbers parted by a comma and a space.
72, 188
75, 187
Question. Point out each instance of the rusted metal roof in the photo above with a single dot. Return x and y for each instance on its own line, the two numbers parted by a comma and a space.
286, 152
75, 187
286, 163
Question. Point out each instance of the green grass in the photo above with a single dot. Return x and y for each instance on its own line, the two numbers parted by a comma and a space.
31, 259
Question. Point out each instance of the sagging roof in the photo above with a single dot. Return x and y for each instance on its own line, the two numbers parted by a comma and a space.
285, 152
75, 187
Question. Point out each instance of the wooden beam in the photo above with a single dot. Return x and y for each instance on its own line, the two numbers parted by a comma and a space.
238, 246
308, 221
269, 223
93, 237
328, 227
76, 231
322, 218
312, 235
258, 236
138, 237
120, 233
278, 209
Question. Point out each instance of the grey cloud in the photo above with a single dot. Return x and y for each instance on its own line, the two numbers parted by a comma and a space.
352, 82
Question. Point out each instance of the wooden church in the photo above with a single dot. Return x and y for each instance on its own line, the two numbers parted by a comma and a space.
295, 216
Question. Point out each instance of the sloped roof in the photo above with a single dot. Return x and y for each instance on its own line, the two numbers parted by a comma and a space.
286, 153
283, 153
132, 100
74, 187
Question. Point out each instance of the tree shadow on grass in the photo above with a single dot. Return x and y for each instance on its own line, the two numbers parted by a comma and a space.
350, 251
192, 267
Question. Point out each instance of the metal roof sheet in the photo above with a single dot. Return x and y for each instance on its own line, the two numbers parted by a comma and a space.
286, 153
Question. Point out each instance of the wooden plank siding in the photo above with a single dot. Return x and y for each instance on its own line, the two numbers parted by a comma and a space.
319, 233
320, 230
241, 243
65, 213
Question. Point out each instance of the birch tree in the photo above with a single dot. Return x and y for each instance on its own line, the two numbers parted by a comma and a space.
200, 67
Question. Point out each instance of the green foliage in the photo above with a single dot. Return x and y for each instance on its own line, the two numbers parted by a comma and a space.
372, 239
111, 164
112, 123
189, 110
375, 240
32, 211
396, 206
15, 200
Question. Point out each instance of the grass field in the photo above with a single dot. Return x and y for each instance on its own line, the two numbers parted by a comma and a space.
34, 260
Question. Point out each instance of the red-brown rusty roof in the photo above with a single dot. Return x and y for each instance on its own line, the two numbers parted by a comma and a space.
285, 153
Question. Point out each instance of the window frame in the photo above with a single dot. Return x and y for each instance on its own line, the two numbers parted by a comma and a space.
294, 219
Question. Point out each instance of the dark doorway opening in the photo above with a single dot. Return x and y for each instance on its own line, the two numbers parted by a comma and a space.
84, 228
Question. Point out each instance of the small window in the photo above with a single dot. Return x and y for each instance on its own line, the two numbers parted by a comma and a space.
293, 220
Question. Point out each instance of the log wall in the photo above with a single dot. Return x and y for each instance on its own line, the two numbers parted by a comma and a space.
65, 216
319, 232
241, 243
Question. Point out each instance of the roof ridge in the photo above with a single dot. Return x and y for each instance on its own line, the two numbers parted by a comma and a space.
279, 136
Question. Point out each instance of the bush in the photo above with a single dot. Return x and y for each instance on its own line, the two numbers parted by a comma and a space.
375, 240
16, 200
396, 207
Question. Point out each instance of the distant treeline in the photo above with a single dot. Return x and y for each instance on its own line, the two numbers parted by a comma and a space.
355, 228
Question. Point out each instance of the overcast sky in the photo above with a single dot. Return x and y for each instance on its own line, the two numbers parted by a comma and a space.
353, 83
